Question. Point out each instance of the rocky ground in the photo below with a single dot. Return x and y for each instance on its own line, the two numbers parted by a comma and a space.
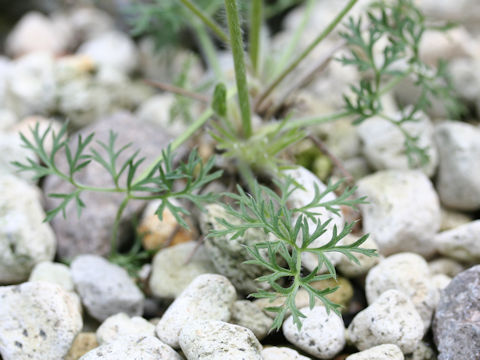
419, 300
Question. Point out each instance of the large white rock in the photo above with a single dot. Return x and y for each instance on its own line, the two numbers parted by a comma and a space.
380, 352
459, 149
105, 289
403, 213
301, 197
322, 335
391, 319
38, 321
461, 243
118, 326
408, 273
56, 273
281, 353
133, 348
208, 297
25, 240
112, 49
217, 340
171, 273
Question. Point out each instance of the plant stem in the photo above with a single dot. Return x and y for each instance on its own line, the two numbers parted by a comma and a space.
306, 52
206, 20
256, 18
236, 43
116, 225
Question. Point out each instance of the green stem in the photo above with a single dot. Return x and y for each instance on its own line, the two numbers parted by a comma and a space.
116, 225
206, 20
208, 49
307, 51
236, 43
392, 83
256, 18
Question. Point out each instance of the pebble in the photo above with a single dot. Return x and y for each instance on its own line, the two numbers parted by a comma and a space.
452, 219
249, 315
380, 352
90, 22
12, 149
56, 273
423, 351
351, 269
441, 281
38, 320
105, 288
445, 266
322, 335
409, 274
83, 343
403, 213
133, 348
456, 327
391, 319
281, 353
112, 49
460, 243
25, 240
459, 149
217, 340
23, 127
120, 325
208, 297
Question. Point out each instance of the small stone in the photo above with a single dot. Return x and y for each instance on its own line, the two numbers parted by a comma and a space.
342, 295
155, 232
174, 268
118, 326
459, 149
105, 288
7, 118
281, 353
208, 297
380, 352
53, 272
452, 219
403, 212
217, 340
456, 327
441, 281
30, 122
351, 269
322, 335
422, 352
83, 343
90, 22
391, 319
133, 347
12, 150
409, 274
38, 320
445, 266
112, 49
460, 243
247, 314
25, 240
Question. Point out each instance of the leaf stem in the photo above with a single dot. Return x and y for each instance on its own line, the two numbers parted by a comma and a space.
256, 18
236, 42
306, 52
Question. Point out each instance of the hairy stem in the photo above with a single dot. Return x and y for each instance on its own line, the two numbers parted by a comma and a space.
306, 52
236, 43
256, 17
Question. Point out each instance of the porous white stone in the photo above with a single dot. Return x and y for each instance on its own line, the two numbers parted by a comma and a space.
461, 243
403, 211
172, 272
248, 314
458, 174
445, 266
281, 353
322, 335
38, 321
217, 340
350, 268
380, 352
409, 274
208, 297
133, 348
441, 281
105, 288
25, 240
452, 219
53, 272
120, 325
391, 319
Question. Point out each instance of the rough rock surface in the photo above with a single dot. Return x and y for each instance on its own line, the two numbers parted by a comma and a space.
105, 288
133, 348
456, 326
380, 352
217, 340
171, 273
409, 274
208, 297
121, 325
459, 149
249, 315
403, 213
25, 239
322, 335
460, 243
38, 320
73, 236
391, 319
